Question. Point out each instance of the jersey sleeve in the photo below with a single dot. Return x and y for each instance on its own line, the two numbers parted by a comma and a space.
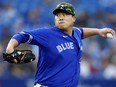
80, 32
37, 36
21, 38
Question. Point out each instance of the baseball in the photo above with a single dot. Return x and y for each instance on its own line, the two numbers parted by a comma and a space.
109, 35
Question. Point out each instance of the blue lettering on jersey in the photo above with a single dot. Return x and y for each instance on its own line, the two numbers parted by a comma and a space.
65, 46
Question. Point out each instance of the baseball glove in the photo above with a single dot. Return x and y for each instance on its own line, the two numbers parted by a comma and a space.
19, 56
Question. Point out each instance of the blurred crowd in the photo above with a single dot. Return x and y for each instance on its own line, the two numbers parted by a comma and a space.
99, 56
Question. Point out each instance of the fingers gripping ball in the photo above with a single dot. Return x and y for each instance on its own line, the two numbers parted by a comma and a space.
109, 35
19, 56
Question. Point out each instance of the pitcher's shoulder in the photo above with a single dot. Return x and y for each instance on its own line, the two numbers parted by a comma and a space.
78, 29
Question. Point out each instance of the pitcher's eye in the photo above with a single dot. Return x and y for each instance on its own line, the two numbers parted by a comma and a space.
56, 14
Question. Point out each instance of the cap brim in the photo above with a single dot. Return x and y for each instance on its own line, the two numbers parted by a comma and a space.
60, 10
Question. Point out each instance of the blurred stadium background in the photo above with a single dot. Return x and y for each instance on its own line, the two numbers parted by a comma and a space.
98, 65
